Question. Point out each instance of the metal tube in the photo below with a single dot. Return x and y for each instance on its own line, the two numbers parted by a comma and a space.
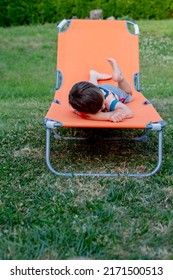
67, 174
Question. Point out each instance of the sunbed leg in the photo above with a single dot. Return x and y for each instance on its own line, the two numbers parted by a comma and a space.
48, 132
159, 162
159, 154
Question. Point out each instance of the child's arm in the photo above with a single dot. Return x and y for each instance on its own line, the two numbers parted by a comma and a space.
114, 105
120, 112
104, 116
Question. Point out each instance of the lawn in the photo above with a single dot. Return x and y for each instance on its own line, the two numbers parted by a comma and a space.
43, 216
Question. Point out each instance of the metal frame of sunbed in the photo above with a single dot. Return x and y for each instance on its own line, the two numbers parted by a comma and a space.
52, 124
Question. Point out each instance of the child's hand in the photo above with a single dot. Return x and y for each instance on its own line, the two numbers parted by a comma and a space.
116, 116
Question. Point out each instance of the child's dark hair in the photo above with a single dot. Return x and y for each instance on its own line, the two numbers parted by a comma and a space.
86, 97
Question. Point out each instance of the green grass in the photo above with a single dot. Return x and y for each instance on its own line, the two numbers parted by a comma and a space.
43, 216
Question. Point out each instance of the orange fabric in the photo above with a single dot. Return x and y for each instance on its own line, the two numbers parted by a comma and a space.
86, 45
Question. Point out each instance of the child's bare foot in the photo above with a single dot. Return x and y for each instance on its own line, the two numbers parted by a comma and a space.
116, 72
99, 76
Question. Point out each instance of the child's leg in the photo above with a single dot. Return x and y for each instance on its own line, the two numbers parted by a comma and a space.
117, 76
95, 76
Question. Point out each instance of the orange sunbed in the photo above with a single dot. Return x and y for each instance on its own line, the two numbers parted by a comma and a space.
85, 45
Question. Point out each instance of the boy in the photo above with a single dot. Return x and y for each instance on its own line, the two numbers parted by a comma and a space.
102, 101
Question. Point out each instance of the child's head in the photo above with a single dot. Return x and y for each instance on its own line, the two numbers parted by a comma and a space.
86, 98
